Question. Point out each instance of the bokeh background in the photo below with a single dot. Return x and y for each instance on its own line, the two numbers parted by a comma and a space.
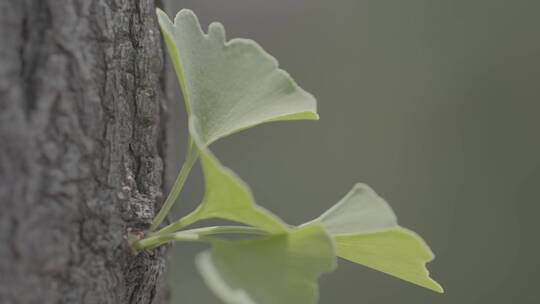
435, 104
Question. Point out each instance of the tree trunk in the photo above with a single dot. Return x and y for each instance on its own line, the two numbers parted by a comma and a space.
81, 141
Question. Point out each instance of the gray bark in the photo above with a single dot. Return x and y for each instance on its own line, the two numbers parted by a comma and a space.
81, 143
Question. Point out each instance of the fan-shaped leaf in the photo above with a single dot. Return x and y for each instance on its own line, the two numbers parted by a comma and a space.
280, 269
227, 196
230, 86
366, 232
361, 210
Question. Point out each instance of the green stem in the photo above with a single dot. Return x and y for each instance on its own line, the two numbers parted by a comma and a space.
191, 158
158, 240
181, 223
193, 235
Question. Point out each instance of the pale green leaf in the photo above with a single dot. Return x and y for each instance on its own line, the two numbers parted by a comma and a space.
227, 196
361, 210
366, 232
398, 252
280, 269
230, 85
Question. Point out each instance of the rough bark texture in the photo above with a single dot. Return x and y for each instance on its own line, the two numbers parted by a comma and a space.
80, 150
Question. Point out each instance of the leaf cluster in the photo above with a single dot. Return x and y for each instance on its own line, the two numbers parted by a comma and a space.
229, 86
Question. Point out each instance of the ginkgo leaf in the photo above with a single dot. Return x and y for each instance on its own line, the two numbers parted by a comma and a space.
280, 269
230, 85
366, 232
361, 210
226, 195
398, 252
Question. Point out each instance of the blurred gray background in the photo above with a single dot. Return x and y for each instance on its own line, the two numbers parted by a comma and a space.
435, 104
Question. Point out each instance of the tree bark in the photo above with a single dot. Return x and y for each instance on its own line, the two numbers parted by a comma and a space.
81, 141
